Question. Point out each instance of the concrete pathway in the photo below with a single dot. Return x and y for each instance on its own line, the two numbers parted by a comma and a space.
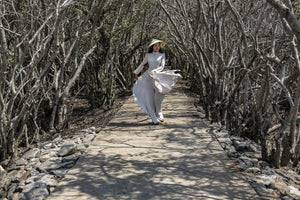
132, 159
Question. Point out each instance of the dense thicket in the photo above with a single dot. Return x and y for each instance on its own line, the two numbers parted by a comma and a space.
241, 57
53, 50
243, 60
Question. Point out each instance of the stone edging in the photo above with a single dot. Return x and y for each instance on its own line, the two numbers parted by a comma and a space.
35, 175
267, 182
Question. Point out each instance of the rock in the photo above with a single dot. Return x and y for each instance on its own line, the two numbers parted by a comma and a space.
34, 172
55, 159
30, 180
22, 183
2, 170
281, 186
268, 171
88, 139
2, 177
68, 164
31, 153
15, 196
34, 178
5, 162
51, 189
79, 134
84, 132
221, 134
34, 162
11, 190
236, 138
91, 130
229, 147
81, 148
294, 192
58, 140
242, 146
67, 149
59, 172
252, 148
3, 174
225, 144
232, 154
21, 174
21, 161
48, 145
77, 140
264, 192
287, 198
21, 196
248, 154
47, 156
242, 166
266, 179
8, 179
253, 170
43, 144
44, 178
36, 191
48, 165
263, 164
248, 161
49, 180
24, 176
73, 157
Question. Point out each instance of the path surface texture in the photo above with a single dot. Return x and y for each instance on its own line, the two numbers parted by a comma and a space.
132, 159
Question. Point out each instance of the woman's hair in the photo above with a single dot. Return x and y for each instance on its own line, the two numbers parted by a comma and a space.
150, 50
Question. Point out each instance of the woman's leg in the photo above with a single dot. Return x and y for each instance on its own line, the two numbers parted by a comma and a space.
151, 104
158, 98
152, 114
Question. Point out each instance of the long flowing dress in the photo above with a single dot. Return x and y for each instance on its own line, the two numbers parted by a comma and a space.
149, 90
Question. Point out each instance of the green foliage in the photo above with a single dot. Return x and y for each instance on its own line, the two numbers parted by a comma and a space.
296, 8
16, 143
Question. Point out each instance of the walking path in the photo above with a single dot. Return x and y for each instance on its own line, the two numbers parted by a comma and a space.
132, 159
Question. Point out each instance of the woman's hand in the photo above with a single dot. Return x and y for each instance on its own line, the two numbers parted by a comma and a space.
152, 72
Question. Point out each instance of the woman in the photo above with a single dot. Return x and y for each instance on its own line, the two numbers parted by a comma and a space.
149, 90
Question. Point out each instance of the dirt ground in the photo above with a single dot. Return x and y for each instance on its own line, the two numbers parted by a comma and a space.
83, 116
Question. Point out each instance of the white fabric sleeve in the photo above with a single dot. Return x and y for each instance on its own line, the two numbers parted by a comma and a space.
162, 63
141, 66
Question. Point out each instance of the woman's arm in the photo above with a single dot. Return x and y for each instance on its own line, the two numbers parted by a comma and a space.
162, 63
141, 66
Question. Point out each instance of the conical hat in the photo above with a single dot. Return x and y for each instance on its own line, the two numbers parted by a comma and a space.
154, 41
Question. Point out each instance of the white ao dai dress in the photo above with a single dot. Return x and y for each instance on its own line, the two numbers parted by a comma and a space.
149, 90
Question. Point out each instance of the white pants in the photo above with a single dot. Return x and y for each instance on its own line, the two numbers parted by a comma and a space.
156, 113
158, 98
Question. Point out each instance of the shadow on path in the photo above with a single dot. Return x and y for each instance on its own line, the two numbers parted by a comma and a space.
131, 159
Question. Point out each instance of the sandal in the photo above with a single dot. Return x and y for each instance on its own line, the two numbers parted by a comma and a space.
161, 120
